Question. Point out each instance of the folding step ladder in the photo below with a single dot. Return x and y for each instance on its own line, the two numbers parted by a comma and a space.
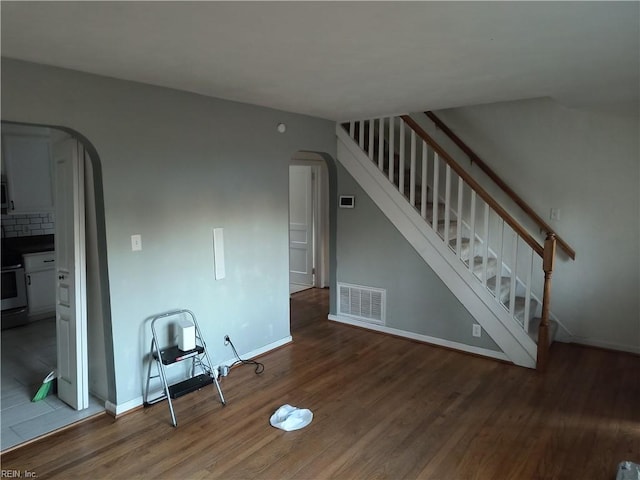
170, 355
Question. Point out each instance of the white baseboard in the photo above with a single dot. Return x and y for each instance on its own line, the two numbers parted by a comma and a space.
119, 409
422, 338
590, 342
261, 350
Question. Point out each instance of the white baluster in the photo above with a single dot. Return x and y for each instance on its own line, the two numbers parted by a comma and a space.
527, 298
459, 219
423, 205
447, 204
412, 171
352, 130
381, 143
485, 251
436, 176
392, 160
472, 228
514, 263
499, 251
401, 166
361, 134
371, 140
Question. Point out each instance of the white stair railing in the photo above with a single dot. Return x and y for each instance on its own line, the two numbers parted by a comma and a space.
492, 245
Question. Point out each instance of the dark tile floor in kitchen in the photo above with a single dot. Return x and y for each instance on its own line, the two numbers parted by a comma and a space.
28, 355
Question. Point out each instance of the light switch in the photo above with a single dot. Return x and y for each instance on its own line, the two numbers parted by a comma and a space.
555, 214
136, 243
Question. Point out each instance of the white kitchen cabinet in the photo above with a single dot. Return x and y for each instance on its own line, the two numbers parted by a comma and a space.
40, 276
27, 160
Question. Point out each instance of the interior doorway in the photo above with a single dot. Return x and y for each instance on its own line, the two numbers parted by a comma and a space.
302, 227
31, 350
308, 222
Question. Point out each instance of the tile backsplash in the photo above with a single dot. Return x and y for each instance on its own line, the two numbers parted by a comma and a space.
28, 225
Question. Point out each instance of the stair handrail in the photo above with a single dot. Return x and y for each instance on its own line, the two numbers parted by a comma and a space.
546, 252
513, 223
501, 183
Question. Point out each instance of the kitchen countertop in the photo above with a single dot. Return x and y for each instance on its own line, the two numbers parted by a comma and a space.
13, 248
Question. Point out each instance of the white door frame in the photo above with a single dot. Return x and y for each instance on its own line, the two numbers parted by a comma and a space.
320, 186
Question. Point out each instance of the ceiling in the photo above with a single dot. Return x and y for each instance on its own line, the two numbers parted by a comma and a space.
345, 60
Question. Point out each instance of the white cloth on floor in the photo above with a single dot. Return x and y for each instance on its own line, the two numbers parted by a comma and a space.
628, 471
290, 418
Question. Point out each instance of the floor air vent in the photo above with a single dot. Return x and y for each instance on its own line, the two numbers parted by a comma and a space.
363, 303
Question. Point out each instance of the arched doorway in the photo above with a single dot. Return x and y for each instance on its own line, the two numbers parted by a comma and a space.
38, 335
312, 213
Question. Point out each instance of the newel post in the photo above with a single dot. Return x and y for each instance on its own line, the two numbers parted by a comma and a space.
543, 332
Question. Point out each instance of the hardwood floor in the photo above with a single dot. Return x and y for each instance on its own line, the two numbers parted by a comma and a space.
384, 407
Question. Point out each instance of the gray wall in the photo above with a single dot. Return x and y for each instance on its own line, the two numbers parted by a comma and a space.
371, 252
585, 163
175, 165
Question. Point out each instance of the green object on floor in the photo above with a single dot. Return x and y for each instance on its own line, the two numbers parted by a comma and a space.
45, 388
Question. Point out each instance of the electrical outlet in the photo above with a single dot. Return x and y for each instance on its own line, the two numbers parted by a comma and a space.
223, 370
226, 340
477, 330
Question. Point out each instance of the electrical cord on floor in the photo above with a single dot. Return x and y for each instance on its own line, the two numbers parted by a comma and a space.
240, 361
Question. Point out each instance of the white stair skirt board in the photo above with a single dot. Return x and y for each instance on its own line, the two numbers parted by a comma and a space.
494, 319
120, 408
422, 338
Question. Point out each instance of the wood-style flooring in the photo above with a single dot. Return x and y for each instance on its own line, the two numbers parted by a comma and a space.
384, 407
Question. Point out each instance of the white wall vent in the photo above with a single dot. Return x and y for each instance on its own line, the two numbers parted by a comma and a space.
363, 303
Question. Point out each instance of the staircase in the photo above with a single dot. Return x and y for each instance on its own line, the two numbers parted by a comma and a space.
494, 266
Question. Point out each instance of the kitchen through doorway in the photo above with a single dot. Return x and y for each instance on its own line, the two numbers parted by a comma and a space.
30, 347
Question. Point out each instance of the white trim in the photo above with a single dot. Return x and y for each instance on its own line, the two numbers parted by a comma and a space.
590, 342
116, 410
262, 350
422, 338
81, 276
119, 409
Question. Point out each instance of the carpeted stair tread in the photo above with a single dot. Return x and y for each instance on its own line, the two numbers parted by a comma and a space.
465, 247
505, 287
518, 310
492, 267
